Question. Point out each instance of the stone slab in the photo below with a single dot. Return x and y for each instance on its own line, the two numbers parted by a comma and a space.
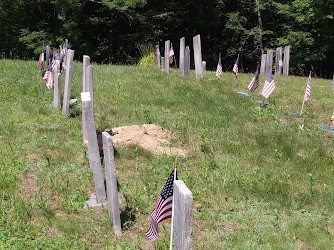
262, 103
325, 127
244, 94
92, 202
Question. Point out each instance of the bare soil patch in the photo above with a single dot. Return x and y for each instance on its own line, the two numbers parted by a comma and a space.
148, 136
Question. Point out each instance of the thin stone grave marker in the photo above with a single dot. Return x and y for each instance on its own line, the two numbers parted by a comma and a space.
68, 79
111, 182
278, 61
167, 48
187, 61
183, 216
204, 65
93, 148
269, 62
286, 60
263, 64
162, 63
57, 86
182, 48
198, 56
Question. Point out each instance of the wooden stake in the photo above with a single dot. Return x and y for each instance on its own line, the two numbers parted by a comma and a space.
172, 223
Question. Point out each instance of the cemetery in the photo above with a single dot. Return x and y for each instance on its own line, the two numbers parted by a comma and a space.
176, 154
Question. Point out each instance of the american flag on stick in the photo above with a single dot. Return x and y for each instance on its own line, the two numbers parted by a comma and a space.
254, 83
163, 208
53, 62
41, 59
48, 77
269, 86
307, 95
171, 54
235, 68
219, 70
332, 119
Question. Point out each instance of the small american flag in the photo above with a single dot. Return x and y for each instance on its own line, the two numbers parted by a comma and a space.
53, 63
219, 70
171, 54
41, 59
332, 119
254, 83
307, 95
163, 208
269, 86
235, 68
48, 77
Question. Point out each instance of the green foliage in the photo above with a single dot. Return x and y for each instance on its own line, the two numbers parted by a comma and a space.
149, 60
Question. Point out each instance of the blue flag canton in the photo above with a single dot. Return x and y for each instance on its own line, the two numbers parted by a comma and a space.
167, 191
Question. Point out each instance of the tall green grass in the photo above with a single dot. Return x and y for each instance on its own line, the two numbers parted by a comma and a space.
259, 179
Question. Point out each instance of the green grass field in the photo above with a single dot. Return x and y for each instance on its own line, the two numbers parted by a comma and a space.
260, 179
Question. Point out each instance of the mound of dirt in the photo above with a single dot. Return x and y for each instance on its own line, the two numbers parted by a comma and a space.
148, 136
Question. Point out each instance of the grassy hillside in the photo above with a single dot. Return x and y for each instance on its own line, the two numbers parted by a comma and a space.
259, 179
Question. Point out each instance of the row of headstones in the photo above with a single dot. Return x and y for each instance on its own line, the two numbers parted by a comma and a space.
184, 61
267, 61
183, 196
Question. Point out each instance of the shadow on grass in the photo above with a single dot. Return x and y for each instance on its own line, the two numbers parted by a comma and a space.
127, 217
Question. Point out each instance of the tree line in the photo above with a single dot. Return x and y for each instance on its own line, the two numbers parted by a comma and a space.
115, 31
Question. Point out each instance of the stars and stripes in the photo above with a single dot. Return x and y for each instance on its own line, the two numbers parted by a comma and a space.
48, 77
41, 59
163, 208
219, 70
53, 62
269, 86
332, 119
254, 83
171, 54
307, 95
235, 68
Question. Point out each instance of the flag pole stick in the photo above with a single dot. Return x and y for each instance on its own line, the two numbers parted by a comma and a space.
172, 223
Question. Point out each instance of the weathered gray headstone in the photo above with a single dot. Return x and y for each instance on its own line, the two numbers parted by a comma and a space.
158, 56
47, 54
111, 182
182, 47
68, 79
186, 61
162, 63
198, 56
325, 127
269, 62
93, 148
278, 61
263, 64
262, 103
204, 65
183, 216
57, 86
244, 94
286, 60
167, 48
85, 62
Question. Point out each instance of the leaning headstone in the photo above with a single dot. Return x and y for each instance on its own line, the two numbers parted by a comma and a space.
93, 148
269, 61
68, 79
57, 86
167, 48
198, 56
263, 64
186, 61
286, 60
182, 47
162, 63
85, 62
278, 61
183, 216
111, 182
204, 65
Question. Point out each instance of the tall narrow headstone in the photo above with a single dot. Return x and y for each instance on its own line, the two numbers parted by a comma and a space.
57, 86
158, 56
286, 60
198, 56
167, 48
183, 216
47, 54
263, 64
68, 79
278, 61
269, 62
85, 62
182, 47
204, 65
111, 182
93, 148
163, 63
186, 61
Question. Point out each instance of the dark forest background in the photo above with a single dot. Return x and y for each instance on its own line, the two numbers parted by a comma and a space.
112, 31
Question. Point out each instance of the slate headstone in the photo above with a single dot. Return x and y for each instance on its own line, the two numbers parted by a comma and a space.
187, 61
198, 56
278, 61
263, 64
57, 86
204, 65
167, 48
269, 62
182, 48
68, 79
163, 63
286, 60
244, 94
